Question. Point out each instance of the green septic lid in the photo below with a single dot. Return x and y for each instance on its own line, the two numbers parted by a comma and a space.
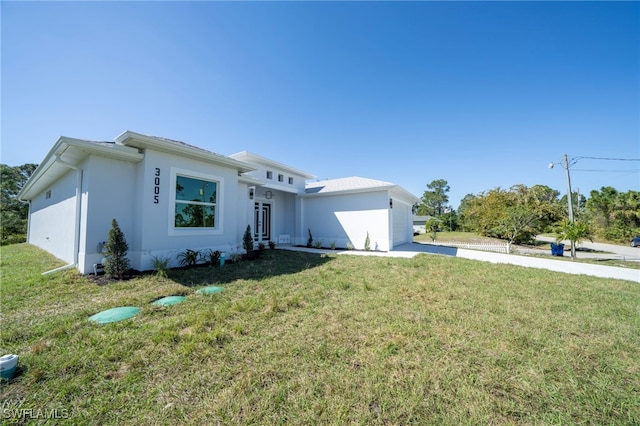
115, 314
169, 300
210, 290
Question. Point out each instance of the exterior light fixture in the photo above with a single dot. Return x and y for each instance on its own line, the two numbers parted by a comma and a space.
268, 195
390, 203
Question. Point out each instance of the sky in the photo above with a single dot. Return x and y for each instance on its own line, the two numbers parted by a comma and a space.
480, 94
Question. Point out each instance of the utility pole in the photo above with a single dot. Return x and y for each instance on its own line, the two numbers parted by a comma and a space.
569, 200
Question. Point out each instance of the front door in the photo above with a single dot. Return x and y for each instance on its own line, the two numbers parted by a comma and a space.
262, 222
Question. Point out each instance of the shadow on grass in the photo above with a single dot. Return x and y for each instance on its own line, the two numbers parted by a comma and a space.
269, 263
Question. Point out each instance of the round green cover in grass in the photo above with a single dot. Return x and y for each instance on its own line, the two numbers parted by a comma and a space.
114, 314
169, 300
210, 290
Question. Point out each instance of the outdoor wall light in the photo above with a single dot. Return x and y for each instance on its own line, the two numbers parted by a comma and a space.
251, 193
390, 203
268, 195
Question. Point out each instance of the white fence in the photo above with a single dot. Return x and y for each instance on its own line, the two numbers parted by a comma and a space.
497, 247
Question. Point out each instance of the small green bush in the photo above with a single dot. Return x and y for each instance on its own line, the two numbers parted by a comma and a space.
367, 243
160, 265
247, 240
310, 239
189, 257
213, 257
115, 251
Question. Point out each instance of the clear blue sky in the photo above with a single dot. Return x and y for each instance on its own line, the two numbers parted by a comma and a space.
481, 94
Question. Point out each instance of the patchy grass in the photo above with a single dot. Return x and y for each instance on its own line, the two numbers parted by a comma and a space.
298, 338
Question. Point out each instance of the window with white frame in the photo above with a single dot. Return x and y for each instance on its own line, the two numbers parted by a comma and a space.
280, 178
290, 180
269, 174
196, 201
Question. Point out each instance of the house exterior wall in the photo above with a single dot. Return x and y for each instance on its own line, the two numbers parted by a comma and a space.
260, 173
402, 231
138, 189
347, 218
52, 221
110, 188
159, 236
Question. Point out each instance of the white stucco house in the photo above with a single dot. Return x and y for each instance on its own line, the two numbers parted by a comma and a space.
168, 196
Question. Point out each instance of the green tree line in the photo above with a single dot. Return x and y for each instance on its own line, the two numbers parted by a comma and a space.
520, 213
13, 213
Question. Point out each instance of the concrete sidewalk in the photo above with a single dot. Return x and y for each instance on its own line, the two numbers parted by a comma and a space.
411, 250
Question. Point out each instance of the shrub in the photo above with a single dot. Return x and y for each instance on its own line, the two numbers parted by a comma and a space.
115, 250
332, 245
234, 255
247, 240
272, 245
367, 243
310, 239
160, 265
189, 257
213, 257
318, 244
261, 246
350, 246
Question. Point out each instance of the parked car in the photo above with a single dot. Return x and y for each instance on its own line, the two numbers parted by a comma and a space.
635, 242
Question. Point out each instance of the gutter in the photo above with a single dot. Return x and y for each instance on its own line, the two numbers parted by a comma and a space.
76, 243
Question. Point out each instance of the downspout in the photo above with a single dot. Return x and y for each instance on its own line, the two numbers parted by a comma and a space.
76, 243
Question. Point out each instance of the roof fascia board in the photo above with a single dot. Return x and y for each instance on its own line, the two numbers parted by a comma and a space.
63, 143
392, 189
347, 191
405, 194
279, 188
250, 180
251, 157
129, 138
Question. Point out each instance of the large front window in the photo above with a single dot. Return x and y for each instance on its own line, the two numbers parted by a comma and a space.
195, 202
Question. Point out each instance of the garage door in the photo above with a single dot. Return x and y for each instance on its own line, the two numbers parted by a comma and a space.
400, 215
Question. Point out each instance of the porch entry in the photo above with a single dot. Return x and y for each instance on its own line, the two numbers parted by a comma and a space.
262, 222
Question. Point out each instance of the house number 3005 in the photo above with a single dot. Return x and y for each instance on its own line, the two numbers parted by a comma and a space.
156, 186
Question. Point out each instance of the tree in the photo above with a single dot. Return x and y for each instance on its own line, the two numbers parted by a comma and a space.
516, 215
614, 215
602, 204
435, 198
13, 216
247, 240
432, 226
518, 224
574, 232
116, 261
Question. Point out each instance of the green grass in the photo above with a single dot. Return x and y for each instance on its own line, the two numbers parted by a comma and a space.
298, 338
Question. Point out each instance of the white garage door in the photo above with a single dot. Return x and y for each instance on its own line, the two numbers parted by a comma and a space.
400, 215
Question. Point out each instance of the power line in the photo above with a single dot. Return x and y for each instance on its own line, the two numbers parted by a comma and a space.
609, 159
607, 171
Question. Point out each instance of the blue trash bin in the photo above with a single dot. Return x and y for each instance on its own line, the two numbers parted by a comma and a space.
557, 249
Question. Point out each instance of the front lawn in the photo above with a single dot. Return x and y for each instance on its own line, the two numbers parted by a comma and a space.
298, 338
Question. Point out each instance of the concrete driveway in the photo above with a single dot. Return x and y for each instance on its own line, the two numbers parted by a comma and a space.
607, 251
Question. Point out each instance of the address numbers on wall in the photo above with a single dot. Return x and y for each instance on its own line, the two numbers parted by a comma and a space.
156, 186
